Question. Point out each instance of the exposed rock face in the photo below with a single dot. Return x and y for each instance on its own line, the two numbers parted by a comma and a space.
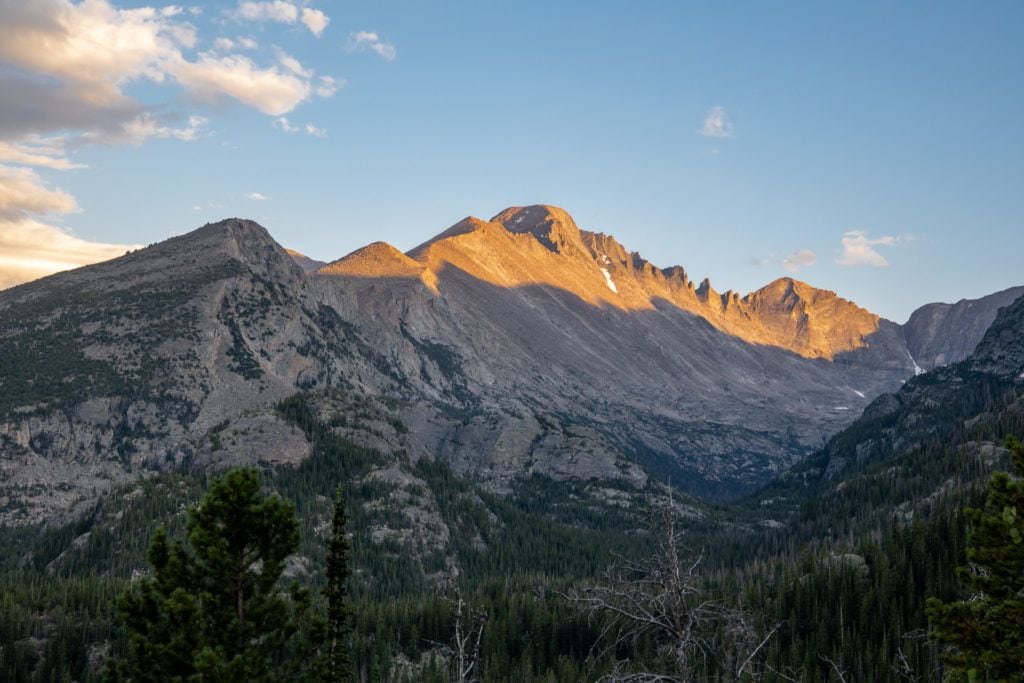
137, 362
988, 384
941, 334
507, 347
307, 264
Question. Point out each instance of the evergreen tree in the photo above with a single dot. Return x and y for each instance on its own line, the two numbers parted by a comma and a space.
213, 608
339, 623
986, 630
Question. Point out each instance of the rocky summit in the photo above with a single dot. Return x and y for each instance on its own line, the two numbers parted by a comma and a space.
510, 347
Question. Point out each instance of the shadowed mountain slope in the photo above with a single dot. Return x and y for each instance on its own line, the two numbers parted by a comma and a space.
940, 334
511, 347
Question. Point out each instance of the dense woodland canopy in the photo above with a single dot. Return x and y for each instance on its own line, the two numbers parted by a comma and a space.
837, 589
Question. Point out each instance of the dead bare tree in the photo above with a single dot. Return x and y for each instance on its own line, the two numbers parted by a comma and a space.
665, 599
467, 635
839, 670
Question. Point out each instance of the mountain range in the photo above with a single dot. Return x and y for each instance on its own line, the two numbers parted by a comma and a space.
511, 347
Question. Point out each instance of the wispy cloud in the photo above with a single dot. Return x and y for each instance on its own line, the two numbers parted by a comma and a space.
65, 67
22, 192
276, 10
329, 85
30, 250
45, 152
859, 250
717, 124
372, 41
257, 196
799, 260
283, 124
283, 12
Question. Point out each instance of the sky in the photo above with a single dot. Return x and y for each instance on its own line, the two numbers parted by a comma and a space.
874, 149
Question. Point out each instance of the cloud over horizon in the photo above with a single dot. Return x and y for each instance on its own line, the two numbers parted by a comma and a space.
799, 260
67, 68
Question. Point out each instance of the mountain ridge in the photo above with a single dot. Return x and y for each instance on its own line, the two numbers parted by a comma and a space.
176, 356
598, 269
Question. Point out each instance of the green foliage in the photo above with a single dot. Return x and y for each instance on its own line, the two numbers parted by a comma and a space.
985, 631
213, 608
339, 609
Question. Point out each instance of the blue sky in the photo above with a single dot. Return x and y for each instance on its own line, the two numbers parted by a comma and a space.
722, 138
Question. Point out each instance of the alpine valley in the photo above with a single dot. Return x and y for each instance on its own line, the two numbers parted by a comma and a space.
501, 402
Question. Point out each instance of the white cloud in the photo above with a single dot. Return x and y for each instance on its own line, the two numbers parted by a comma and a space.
64, 69
329, 85
283, 12
268, 90
142, 128
38, 151
22, 192
30, 250
370, 40
315, 20
717, 124
859, 249
281, 123
92, 47
277, 10
293, 65
93, 50
257, 196
799, 259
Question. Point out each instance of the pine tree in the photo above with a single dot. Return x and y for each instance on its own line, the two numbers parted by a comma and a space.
986, 630
339, 622
212, 608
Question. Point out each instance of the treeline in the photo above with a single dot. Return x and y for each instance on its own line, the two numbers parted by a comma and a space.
838, 587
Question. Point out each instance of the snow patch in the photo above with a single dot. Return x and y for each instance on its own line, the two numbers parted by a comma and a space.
609, 282
842, 407
859, 393
917, 368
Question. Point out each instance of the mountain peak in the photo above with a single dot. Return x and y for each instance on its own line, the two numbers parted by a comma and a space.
467, 226
552, 226
379, 260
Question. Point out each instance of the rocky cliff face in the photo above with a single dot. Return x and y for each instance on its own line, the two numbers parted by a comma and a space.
138, 363
986, 387
520, 345
941, 334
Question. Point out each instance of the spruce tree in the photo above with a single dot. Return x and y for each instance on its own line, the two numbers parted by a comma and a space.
338, 602
212, 608
985, 631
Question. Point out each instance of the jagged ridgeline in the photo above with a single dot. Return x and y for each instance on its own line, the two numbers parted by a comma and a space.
504, 348
501, 402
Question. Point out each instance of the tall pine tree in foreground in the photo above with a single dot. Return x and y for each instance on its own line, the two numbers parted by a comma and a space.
985, 631
339, 622
212, 608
